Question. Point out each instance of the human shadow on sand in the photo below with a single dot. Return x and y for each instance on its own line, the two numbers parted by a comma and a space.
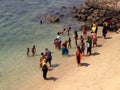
95, 53
50, 69
85, 64
52, 78
92, 54
99, 37
108, 38
54, 65
70, 55
99, 45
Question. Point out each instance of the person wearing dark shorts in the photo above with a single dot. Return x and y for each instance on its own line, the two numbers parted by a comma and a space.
48, 56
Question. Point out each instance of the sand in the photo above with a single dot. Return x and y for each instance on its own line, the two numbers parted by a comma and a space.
99, 71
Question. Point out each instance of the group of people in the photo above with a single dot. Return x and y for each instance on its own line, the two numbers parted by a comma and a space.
85, 42
44, 59
33, 50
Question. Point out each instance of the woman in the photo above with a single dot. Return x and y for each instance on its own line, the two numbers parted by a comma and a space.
42, 58
44, 69
78, 55
64, 48
84, 30
94, 38
89, 45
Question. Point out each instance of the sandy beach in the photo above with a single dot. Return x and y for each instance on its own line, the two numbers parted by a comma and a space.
100, 71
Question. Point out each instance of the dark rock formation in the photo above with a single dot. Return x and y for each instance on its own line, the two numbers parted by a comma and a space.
52, 19
97, 12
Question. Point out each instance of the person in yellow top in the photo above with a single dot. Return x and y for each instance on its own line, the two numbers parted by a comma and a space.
94, 28
42, 58
44, 68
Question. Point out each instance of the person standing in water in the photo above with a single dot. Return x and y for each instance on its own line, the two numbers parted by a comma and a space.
59, 40
28, 50
75, 37
33, 50
68, 31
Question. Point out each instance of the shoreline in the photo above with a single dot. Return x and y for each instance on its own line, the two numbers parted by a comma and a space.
69, 76
66, 69
23, 73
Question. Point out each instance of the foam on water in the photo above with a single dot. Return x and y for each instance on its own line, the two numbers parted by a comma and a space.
18, 31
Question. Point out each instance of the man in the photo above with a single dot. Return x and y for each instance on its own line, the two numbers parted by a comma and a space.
48, 56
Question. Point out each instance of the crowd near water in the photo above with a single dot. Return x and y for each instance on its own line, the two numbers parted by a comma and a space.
27, 43
20, 29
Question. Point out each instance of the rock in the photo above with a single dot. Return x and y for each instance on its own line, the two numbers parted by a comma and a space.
97, 11
102, 13
52, 18
74, 10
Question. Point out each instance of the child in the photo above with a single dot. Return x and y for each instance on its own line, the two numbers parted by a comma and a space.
69, 42
68, 31
56, 42
82, 46
33, 50
63, 31
28, 50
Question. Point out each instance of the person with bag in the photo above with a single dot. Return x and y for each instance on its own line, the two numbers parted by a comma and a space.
78, 56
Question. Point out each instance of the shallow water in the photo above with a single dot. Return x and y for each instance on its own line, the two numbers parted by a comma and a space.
20, 28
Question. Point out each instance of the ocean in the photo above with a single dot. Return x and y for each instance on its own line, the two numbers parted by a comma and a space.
20, 29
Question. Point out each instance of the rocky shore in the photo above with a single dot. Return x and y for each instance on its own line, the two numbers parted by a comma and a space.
92, 11
98, 12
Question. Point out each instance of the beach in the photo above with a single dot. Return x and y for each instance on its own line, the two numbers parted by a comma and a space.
99, 71
20, 29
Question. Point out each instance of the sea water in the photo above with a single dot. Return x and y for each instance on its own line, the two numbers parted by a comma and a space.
20, 29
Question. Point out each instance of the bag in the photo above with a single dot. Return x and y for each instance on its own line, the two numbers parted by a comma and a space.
88, 45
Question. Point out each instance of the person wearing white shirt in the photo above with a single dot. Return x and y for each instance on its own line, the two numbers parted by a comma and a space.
59, 40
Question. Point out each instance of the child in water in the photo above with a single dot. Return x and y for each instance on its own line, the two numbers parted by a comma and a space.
28, 50
33, 50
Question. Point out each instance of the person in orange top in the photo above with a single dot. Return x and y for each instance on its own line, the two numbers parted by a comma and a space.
78, 55
42, 58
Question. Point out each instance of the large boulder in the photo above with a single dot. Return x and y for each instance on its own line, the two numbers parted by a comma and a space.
52, 18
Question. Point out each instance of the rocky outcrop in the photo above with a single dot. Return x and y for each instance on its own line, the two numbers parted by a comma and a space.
97, 12
52, 19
